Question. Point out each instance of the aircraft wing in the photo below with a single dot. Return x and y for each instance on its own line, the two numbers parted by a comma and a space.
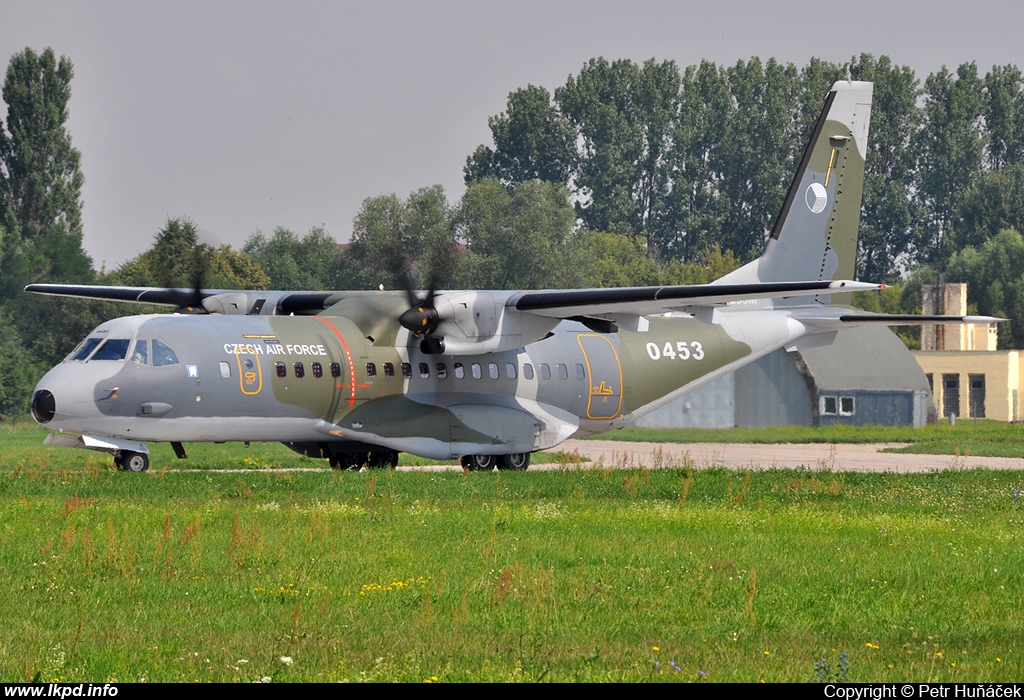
139, 295
643, 301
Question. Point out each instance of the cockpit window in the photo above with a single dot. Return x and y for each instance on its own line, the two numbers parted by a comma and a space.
141, 353
112, 349
86, 348
163, 355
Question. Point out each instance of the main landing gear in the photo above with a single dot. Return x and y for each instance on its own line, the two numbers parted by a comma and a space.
377, 459
128, 461
485, 463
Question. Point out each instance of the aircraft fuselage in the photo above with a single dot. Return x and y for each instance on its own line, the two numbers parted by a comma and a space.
317, 379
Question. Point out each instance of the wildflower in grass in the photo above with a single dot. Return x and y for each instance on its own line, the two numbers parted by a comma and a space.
675, 666
287, 660
655, 648
869, 645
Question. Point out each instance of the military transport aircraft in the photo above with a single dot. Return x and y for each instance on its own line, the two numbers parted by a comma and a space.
486, 376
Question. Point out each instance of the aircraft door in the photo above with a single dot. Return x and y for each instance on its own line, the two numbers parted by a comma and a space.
605, 374
250, 371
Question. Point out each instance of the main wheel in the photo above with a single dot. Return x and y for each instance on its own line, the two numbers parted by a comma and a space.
382, 459
479, 463
518, 461
347, 460
131, 461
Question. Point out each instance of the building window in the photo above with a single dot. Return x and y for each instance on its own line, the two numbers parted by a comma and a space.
847, 405
951, 394
977, 395
829, 405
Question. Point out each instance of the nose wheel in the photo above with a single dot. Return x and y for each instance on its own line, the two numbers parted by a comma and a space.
127, 461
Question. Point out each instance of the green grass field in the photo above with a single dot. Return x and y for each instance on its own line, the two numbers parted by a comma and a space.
591, 575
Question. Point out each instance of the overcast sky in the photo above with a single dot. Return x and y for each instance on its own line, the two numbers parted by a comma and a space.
245, 115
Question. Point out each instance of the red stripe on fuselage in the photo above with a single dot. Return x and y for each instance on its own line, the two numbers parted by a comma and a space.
348, 358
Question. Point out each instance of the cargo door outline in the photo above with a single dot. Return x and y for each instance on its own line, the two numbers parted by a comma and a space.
605, 372
247, 378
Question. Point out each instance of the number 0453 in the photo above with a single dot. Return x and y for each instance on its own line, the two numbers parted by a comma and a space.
678, 351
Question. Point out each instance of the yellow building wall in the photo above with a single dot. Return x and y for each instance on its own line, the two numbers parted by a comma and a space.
1001, 370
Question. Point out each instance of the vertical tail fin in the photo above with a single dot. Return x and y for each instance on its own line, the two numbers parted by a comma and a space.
815, 235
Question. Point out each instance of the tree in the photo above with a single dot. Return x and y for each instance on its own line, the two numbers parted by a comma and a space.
532, 141
994, 274
414, 239
40, 177
294, 263
1004, 116
950, 147
178, 259
518, 239
625, 115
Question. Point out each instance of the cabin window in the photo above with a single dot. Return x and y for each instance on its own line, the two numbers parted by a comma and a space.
527, 371
460, 371
563, 372
424, 370
580, 372
389, 370
300, 371
406, 370
163, 355
847, 405
141, 354
112, 349
510, 370
318, 370
492, 370
335, 370
475, 367
442, 370
225, 370
829, 406
371, 369
86, 348
280, 369
545, 371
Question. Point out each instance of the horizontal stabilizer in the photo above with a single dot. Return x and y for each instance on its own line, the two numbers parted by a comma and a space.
857, 319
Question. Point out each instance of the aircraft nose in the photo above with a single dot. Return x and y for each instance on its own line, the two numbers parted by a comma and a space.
43, 406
